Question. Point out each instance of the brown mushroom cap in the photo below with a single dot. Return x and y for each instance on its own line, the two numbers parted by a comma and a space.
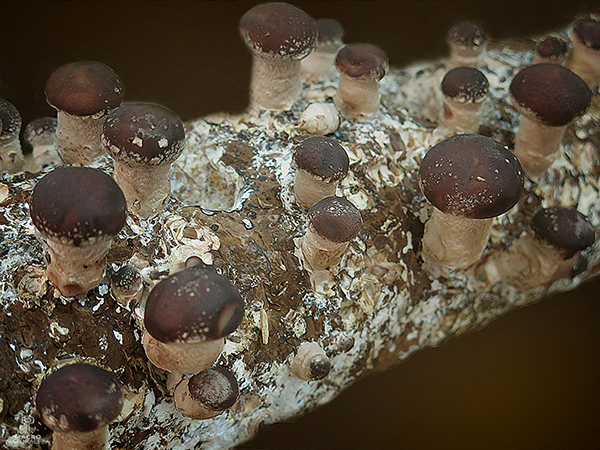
193, 305
465, 84
335, 219
278, 31
587, 31
319, 367
467, 34
77, 205
329, 31
127, 278
40, 130
84, 88
10, 121
566, 229
322, 157
551, 47
216, 388
362, 61
79, 398
140, 134
551, 93
471, 176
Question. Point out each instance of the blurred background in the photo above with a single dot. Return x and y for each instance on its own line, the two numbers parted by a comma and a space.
528, 381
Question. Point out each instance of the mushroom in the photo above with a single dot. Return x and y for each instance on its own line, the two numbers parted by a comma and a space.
82, 93
320, 118
585, 58
549, 97
467, 42
187, 317
310, 362
548, 253
332, 223
144, 140
469, 179
551, 50
39, 134
127, 286
78, 211
11, 155
361, 66
279, 35
78, 402
206, 394
321, 163
465, 89
319, 65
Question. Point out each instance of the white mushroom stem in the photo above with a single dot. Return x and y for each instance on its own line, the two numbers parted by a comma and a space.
536, 145
45, 154
11, 155
309, 189
357, 99
585, 62
320, 64
302, 363
78, 139
274, 85
454, 241
461, 117
91, 440
188, 406
183, 358
320, 253
463, 56
147, 189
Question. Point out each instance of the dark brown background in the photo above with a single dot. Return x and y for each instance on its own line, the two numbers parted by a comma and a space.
528, 381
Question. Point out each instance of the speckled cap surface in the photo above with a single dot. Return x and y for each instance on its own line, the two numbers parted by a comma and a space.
467, 34
216, 388
10, 121
465, 84
335, 219
362, 61
322, 157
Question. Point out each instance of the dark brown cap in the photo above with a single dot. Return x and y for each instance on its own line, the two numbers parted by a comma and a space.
329, 31
587, 31
550, 93
467, 34
126, 279
279, 31
77, 205
335, 219
84, 88
565, 229
216, 388
141, 134
552, 48
40, 130
362, 61
193, 305
472, 176
465, 84
319, 367
10, 121
322, 157
79, 398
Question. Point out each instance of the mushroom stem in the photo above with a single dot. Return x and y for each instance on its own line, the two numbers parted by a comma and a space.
146, 191
78, 139
308, 189
11, 155
274, 84
320, 253
454, 241
357, 99
462, 56
91, 440
460, 116
585, 62
319, 65
310, 362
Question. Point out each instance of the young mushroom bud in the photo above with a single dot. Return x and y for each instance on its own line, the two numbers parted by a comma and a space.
127, 285
279, 35
11, 155
548, 253
77, 402
187, 317
144, 140
465, 89
467, 42
321, 163
551, 50
332, 223
39, 134
361, 66
585, 60
78, 210
549, 97
469, 179
310, 362
206, 394
320, 64
82, 93
320, 118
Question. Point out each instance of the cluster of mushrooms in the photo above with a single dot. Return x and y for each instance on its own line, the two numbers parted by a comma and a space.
469, 179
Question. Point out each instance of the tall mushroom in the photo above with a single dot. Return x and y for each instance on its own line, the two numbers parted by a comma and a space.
319, 65
78, 210
11, 155
279, 35
585, 59
467, 41
469, 179
82, 93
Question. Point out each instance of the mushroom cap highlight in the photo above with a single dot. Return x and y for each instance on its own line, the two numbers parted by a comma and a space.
322, 157
329, 31
362, 61
140, 134
335, 219
84, 88
471, 176
278, 31
10, 121
467, 34
465, 84
79, 398
216, 388
77, 205
552, 47
587, 31
194, 305
550, 93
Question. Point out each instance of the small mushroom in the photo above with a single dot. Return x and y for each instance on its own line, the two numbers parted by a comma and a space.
78, 211
78, 402
585, 58
469, 179
320, 64
11, 155
39, 134
549, 97
551, 50
361, 66
187, 317
320, 118
321, 163
127, 286
206, 394
467, 41
279, 35
332, 223
144, 140
465, 89
82, 93
310, 363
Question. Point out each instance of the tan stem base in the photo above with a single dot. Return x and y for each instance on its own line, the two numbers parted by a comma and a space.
319, 65
274, 86
146, 190
461, 117
189, 407
357, 99
585, 62
92, 440
465, 57
319, 253
78, 140
11, 156
308, 190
